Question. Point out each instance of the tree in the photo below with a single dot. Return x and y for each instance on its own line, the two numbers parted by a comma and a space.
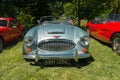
37, 8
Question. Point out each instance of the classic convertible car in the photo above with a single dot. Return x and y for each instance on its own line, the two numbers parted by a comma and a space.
55, 38
106, 29
10, 29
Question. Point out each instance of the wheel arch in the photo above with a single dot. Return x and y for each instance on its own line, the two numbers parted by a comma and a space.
113, 35
2, 39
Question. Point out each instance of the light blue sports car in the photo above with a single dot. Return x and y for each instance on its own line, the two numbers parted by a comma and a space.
55, 38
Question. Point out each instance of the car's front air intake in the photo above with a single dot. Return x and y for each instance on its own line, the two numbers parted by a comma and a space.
56, 45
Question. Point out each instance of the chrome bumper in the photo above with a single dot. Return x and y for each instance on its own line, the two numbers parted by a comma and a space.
71, 55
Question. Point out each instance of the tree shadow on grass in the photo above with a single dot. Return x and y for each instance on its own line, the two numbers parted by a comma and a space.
12, 44
106, 44
81, 63
103, 43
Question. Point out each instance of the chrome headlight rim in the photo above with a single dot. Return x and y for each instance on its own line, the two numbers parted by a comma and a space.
85, 41
28, 41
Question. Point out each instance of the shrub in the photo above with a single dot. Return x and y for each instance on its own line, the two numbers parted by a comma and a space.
25, 18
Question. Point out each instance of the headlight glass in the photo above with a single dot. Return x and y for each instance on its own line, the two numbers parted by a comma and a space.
28, 41
84, 41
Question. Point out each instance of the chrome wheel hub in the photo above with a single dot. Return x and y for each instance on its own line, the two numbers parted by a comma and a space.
116, 45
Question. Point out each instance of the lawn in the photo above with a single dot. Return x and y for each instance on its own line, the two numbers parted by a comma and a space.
106, 66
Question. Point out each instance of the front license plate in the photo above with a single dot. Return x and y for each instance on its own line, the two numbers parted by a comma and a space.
56, 61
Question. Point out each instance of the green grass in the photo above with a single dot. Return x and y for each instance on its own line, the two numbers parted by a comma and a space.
106, 66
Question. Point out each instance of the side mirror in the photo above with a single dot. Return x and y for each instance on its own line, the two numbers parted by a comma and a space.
14, 26
38, 21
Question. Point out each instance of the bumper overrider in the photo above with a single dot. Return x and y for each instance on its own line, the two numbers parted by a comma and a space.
72, 54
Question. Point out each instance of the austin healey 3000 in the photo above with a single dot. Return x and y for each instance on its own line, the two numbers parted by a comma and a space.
55, 38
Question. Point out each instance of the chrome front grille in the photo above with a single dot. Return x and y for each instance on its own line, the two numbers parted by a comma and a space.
56, 45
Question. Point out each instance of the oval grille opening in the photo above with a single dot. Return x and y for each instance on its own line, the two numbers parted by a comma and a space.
56, 45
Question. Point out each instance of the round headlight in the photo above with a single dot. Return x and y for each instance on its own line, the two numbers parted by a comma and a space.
84, 41
28, 41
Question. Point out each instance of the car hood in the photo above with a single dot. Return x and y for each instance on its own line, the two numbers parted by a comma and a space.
55, 31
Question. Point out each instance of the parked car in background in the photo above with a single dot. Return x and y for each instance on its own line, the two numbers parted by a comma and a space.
106, 29
10, 29
55, 38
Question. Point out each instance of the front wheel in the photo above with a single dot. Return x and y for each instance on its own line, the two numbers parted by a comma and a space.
116, 43
1, 44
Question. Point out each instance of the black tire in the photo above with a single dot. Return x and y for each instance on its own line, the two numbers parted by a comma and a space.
1, 44
116, 43
23, 34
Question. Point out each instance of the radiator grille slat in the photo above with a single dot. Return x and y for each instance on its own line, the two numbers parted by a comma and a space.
56, 45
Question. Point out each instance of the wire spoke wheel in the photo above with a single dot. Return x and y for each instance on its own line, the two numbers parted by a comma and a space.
116, 43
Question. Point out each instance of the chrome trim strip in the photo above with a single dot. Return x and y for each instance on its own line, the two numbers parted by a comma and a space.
53, 56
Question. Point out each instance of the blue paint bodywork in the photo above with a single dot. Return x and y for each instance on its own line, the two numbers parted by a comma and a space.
55, 31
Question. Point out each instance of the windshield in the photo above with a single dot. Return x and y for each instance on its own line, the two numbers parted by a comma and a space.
3, 23
114, 17
54, 19
108, 18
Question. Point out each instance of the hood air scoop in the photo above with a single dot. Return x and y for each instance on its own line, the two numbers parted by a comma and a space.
56, 30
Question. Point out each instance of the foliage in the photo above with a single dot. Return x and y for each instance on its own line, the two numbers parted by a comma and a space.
37, 8
70, 10
25, 18
13, 9
56, 8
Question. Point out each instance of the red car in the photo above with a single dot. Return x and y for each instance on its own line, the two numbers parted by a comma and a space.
106, 29
10, 29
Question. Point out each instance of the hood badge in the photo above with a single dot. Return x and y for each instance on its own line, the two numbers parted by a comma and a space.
56, 36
